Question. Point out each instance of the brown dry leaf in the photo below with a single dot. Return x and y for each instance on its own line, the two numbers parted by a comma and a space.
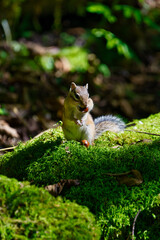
57, 188
124, 178
145, 141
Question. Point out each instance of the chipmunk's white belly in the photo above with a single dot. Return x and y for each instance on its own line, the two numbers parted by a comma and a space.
74, 131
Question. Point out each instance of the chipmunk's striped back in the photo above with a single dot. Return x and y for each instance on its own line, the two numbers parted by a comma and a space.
108, 123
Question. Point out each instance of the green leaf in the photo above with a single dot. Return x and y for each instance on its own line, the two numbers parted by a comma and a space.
3, 55
103, 68
151, 24
67, 39
19, 48
77, 57
131, 12
114, 42
47, 62
138, 16
3, 111
102, 9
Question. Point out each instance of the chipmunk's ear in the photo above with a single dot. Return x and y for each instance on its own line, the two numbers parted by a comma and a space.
86, 86
73, 86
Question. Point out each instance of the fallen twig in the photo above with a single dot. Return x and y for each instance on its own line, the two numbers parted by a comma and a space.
154, 134
7, 149
48, 130
134, 222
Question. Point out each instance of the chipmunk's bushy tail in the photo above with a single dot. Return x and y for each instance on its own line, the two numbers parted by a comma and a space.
108, 123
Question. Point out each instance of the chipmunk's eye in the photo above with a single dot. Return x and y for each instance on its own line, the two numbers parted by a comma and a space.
77, 96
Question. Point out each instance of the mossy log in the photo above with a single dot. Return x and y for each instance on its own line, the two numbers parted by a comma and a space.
49, 158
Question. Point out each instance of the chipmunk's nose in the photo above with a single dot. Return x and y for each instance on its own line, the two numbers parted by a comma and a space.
84, 104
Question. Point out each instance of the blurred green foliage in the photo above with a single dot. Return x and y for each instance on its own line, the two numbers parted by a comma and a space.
137, 14
114, 42
117, 22
102, 9
67, 39
103, 68
3, 57
110, 16
19, 48
3, 111
46, 62
77, 57
11, 10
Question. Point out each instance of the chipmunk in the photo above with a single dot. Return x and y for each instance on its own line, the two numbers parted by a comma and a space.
78, 123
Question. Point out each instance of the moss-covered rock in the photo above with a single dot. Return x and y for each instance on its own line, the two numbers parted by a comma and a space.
48, 159
29, 212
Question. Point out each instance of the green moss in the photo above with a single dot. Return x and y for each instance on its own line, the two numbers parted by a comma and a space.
28, 212
48, 159
149, 229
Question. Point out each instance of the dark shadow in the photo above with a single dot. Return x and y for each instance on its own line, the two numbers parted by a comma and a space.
148, 220
15, 164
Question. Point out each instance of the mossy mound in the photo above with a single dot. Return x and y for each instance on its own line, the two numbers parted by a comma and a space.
29, 212
48, 159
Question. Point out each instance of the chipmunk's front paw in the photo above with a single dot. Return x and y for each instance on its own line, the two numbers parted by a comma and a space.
79, 122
